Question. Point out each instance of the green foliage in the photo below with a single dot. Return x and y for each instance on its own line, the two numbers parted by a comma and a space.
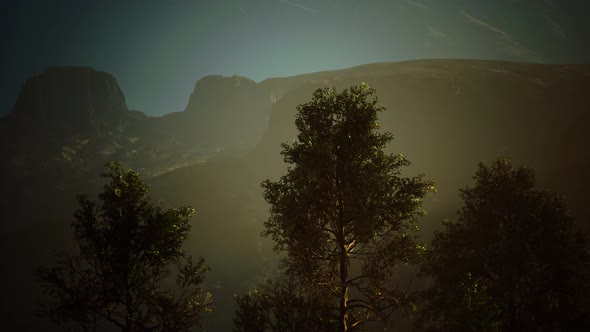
343, 213
283, 305
512, 261
252, 312
121, 276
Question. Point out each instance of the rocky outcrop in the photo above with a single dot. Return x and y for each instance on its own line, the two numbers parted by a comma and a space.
229, 110
61, 106
70, 100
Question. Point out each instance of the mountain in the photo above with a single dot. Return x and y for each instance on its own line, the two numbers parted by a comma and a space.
237, 104
446, 116
59, 106
64, 122
68, 122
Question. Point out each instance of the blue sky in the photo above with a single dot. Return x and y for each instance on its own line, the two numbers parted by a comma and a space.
157, 50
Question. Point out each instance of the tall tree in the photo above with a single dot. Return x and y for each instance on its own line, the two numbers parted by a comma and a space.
511, 262
122, 274
343, 213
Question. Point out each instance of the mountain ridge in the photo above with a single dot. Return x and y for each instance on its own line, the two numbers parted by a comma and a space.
233, 114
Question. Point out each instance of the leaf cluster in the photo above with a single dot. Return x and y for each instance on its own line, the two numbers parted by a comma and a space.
127, 246
281, 305
512, 260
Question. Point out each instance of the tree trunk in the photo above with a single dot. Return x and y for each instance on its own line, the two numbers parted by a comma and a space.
342, 259
343, 263
128, 316
128, 306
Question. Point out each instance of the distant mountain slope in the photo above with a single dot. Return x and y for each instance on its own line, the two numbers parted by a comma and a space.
447, 115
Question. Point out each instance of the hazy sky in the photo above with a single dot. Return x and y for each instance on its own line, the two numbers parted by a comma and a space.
157, 50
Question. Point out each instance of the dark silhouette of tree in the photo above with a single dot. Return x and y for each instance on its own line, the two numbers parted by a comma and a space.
511, 262
343, 213
122, 274
281, 305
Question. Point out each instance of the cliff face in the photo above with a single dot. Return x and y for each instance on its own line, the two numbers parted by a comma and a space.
70, 100
229, 110
60, 106
76, 118
66, 123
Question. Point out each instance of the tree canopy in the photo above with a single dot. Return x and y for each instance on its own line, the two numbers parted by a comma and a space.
511, 262
121, 276
343, 213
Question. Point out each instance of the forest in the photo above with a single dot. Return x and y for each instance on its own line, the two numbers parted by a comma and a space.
344, 220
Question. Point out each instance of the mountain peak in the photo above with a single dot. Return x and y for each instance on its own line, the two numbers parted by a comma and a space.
237, 86
237, 104
76, 93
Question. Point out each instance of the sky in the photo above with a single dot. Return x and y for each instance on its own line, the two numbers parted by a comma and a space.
157, 50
